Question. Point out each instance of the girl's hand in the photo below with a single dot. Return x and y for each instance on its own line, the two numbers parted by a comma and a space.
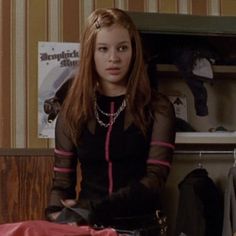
53, 216
66, 203
69, 202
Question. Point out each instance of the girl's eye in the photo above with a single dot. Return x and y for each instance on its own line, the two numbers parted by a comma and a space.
102, 49
122, 48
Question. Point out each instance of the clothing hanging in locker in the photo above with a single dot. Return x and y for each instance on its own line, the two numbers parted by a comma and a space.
200, 206
229, 222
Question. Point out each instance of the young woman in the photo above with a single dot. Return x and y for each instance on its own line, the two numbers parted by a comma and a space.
120, 130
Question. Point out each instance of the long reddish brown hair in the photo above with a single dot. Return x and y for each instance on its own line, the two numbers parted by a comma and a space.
78, 106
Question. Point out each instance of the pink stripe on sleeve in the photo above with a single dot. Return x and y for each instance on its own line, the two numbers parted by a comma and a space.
164, 163
63, 170
63, 153
164, 144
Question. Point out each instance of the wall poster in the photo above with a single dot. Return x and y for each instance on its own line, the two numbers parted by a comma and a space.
57, 64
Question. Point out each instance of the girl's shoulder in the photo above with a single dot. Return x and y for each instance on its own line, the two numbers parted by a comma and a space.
162, 105
160, 100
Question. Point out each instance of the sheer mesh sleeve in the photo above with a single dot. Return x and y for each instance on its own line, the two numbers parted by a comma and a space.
161, 146
65, 166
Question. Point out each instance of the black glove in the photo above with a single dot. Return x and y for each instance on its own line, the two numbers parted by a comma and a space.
131, 201
101, 214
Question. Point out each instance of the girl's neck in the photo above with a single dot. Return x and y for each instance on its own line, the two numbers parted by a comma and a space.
112, 91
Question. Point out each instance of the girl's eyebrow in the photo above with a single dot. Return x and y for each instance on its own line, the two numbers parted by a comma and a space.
122, 42
101, 43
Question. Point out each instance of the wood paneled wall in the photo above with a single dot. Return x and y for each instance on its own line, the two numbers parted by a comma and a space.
25, 182
24, 23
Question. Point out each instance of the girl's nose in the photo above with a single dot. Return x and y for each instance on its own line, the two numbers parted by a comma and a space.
113, 56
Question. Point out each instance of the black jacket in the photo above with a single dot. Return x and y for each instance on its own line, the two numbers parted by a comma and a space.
200, 209
122, 171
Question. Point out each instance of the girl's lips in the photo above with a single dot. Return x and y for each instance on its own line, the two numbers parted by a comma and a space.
113, 71
113, 68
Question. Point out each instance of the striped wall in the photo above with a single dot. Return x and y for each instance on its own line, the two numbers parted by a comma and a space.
23, 23
5, 84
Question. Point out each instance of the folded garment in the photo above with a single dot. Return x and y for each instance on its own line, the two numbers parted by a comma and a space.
45, 228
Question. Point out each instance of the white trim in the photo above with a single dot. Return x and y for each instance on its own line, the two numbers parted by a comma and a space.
183, 7
206, 137
86, 7
54, 20
151, 6
122, 4
214, 7
19, 75
54, 33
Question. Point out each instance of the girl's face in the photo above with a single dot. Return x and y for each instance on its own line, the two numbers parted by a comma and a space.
112, 56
